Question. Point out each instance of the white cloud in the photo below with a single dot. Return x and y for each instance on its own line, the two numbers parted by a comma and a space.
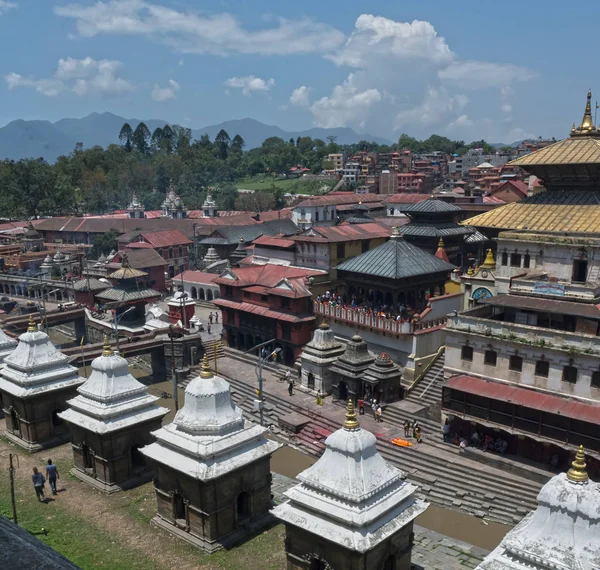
48, 87
506, 108
300, 96
483, 74
162, 94
250, 84
438, 106
193, 32
460, 122
375, 36
81, 76
6, 6
506, 92
347, 105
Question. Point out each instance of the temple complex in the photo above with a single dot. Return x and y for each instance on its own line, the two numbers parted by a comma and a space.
211, 467
351, 510
317, 358
135, 209
110, 419
36, 381
563, 533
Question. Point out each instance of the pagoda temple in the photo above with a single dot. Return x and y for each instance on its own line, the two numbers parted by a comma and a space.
563, 533
569, 170
110, 419
212, 468
349, 370
36, 381
317, 358
351, 509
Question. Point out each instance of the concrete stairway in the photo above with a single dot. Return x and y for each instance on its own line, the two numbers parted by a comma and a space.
444, 477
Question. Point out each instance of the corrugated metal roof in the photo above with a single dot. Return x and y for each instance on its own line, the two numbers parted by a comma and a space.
546, 305
262, 311
406, 198
141, 258
396, 259
274, 241
430, 206
437, 230
90, 284
338, 199
196, 277
165, 238
118, 294
550, 211
566, 407
344, 232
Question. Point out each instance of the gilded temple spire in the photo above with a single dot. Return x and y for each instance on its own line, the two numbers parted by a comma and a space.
351, 422
587, 123
577, 473
31, 327
206, 372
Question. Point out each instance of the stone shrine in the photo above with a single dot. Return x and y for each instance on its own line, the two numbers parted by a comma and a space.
349, 370
110, 419
383, 379
563, 533
36, 381
352, 510
317, 358
211, 467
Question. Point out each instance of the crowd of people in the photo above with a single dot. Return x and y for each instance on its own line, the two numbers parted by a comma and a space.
398, 313
482, 441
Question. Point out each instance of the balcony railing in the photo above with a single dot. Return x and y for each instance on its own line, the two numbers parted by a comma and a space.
360, 318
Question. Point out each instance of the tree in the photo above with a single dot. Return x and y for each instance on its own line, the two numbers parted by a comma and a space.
238, 144
258, 201
32, 184
226, 196
166, 141
104, 243
222, 142
126, 137
157, 136
141, 138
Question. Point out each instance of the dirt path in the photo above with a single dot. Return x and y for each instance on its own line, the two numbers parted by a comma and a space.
106, 512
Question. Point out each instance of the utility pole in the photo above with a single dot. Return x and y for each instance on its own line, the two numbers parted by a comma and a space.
173, 371
11, 472
259, 403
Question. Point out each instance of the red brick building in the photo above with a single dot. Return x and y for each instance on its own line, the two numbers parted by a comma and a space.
171, 245
146, 260
260, 303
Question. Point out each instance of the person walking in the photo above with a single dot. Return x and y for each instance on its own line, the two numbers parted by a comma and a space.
446, 431
52, 475
418, 434
378, 414
406, 429
210, 317
374, 409
361, 407
416, 427
319, 398
38, 484
216, 318
290, 381
208, 328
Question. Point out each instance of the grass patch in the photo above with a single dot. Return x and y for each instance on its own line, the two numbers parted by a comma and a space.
288, 185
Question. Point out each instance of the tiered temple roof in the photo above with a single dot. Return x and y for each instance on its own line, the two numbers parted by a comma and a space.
563, 533
355, 360
323, 348
111, 398
209, 436
36, 367
7, 345
351, 495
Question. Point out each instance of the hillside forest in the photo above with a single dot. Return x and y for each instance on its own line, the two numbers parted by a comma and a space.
99, 180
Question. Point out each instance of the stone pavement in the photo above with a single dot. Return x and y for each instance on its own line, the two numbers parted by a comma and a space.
431, 550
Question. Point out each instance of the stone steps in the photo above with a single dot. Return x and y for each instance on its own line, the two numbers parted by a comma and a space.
444, 481
428, 392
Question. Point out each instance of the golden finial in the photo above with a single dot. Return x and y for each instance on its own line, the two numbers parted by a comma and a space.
470, 271
351, 422
107, 349
206, 372
587, 123
577, 473
324, 326
31, 327
489, 259
441, 243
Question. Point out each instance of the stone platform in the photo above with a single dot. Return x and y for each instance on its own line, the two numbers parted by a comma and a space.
293, 422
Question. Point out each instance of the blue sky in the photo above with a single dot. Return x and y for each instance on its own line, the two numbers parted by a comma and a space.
499, 71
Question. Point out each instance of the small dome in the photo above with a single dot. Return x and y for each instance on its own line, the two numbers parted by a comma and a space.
58, 256
47, 260
208, 406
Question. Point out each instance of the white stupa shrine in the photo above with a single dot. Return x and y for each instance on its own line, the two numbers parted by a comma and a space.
563, 533
36, 381
7, 345
350, 504
212, 468
110, 419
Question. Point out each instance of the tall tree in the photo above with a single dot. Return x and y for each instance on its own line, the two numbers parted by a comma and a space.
238, 144
126, 137
222, 142
157, 136
166, 142
141, 138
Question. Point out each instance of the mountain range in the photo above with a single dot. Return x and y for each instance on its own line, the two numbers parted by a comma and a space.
34, 139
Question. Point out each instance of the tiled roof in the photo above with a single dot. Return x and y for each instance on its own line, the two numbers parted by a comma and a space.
261, 310
196, 277
118, 294
574, 150
395, 259
90, 284
549, 211
343, 232
406, 198
518, 185
139, 245
165, 238
274, 242
230, 236
431, 205
141, 258
268, 276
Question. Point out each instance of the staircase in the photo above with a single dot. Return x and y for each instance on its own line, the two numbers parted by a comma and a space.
428, 392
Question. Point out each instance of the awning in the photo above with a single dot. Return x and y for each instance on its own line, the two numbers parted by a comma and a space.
566, 407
